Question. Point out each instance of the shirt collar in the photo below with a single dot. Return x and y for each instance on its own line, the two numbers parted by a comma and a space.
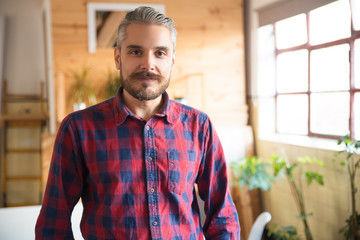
122, 112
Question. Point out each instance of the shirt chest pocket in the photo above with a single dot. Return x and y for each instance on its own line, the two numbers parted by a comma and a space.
181, 170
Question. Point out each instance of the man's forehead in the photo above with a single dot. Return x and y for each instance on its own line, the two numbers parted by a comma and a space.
146, 35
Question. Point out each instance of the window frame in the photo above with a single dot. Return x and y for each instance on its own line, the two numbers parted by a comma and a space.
355, 34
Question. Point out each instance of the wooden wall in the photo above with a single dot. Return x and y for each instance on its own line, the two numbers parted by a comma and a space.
209, 69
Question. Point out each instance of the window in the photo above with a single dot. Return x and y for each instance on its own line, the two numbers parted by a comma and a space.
316, 82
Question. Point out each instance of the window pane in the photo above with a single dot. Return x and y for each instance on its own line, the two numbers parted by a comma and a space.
330, 22
266, 117
357, 116
329, 113
292, 114
357, 63
291, 32
355, 12
292, 71
329, 68
266, 61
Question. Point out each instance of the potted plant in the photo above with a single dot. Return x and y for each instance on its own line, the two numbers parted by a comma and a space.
81, 91
112, 85
256, 173
252, 172
352, 163
282, 233
282, 166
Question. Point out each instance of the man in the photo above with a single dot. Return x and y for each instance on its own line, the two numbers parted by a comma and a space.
134, 159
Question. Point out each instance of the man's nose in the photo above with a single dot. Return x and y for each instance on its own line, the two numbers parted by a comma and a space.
148, 63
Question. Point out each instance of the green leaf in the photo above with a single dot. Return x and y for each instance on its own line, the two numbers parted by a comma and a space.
283, 233
320, 163
305, 216
309, 160
305, 159
310, 176
254, 173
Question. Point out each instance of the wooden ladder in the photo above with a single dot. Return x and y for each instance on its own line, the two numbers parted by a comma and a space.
35, 120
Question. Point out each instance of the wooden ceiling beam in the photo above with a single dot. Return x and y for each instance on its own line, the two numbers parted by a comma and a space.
108, 32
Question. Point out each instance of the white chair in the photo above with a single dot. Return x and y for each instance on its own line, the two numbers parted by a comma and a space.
19, 222
257, 228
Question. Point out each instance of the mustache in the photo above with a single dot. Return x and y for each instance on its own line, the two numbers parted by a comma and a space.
146, 74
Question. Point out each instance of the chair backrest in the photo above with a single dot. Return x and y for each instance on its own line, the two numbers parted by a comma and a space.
258, 227
19, 222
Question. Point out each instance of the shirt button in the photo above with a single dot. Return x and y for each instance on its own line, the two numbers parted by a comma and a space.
149, 158
152, 190
155, 223
147, 128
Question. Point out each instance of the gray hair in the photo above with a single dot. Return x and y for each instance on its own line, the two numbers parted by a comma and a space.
145, 15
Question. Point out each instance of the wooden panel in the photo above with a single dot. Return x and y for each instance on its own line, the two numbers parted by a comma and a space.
247, 202
70, 35
24, 123
24, 164
47, 144
242, 202
22, 178
23, 137
24, 150
71, 13
21, 193
248, 206
206, 14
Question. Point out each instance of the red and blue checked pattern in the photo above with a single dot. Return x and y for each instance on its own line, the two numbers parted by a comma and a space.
136, 178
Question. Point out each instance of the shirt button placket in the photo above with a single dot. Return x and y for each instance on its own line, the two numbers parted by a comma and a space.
152, 181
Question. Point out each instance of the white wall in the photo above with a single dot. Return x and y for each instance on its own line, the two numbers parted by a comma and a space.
2, 46
24, 66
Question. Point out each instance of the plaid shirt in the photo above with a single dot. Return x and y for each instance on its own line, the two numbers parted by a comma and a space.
136, 178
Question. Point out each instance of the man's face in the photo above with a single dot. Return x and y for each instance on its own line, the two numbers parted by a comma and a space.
145, 60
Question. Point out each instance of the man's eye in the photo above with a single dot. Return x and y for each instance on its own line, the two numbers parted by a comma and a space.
135, 52
160, 53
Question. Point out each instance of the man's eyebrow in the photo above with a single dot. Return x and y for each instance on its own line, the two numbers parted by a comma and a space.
163, 48
158, 48
133, 46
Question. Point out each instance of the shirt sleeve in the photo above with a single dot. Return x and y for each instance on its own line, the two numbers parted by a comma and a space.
64, 186
222, 220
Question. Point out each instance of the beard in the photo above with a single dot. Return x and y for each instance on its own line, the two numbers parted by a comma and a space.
145, 91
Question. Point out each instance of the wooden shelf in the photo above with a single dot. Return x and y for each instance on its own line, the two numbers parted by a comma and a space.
23, 117
35, 118
22, 204
23, 150
22, 97
30, 120
24, 178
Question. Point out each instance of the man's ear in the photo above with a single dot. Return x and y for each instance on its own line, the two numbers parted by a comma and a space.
173, 60
117, 57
